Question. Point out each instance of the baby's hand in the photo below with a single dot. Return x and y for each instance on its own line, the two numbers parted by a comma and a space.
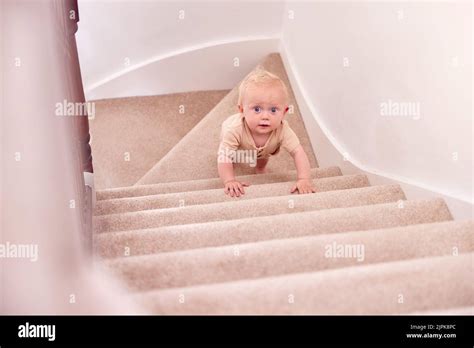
304, 186
235, 188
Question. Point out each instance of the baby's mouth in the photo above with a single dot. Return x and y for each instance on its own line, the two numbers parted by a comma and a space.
264, 124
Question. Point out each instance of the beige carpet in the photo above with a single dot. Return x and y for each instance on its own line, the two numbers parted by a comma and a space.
129, 135
182, 246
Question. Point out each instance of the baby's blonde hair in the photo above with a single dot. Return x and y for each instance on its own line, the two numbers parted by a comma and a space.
258, 76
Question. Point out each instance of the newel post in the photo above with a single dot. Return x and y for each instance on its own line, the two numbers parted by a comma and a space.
81, 122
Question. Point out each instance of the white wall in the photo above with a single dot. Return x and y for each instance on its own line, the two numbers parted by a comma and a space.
116, 37
217, 66
422, 55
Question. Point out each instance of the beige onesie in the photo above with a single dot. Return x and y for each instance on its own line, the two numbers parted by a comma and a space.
236, 135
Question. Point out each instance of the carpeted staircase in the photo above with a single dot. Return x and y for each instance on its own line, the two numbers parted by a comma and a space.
129, 135
184, 247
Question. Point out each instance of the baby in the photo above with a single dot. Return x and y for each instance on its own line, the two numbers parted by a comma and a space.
260, 129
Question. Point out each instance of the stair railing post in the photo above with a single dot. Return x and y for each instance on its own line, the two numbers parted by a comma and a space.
69, 18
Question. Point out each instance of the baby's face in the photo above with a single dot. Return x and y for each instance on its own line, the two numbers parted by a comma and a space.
264, 107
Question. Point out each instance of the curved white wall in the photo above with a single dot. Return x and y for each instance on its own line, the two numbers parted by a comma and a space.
116, 37
205, 67
350, 58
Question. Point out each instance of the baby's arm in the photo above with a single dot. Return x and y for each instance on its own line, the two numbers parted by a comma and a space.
232, 187
304, 184
229, 143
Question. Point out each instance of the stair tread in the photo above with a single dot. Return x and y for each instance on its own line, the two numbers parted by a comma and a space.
210, 183
173, 200
253, 229
248, 208
293, 255
425, 283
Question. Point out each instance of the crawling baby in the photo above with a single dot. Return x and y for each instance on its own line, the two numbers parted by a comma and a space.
258, 131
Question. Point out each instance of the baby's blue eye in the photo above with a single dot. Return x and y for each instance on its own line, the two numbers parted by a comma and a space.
257, 109
274, 109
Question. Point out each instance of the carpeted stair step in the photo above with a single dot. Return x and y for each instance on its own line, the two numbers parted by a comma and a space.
382, 288
248, 208
294, 255
248, 230
208, 184
174, 200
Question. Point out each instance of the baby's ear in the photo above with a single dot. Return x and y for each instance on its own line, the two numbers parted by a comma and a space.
284, 114
241, 109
